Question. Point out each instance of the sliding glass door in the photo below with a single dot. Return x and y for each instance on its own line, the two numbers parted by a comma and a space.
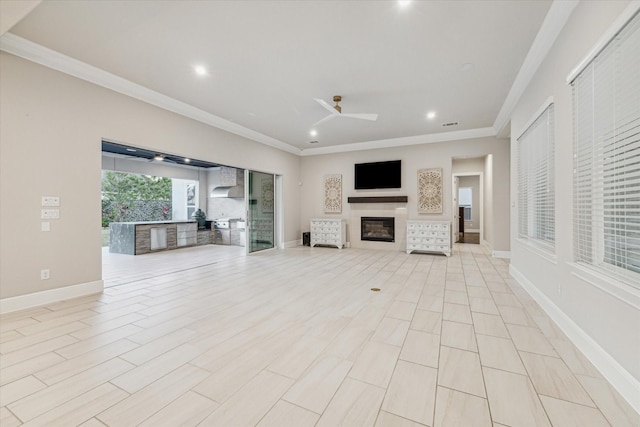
260, 211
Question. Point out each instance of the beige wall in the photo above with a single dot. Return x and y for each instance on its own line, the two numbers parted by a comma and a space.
601, 313
313, 169
52, 126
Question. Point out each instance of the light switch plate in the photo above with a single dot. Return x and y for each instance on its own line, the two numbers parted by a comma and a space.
50, 201
49, 213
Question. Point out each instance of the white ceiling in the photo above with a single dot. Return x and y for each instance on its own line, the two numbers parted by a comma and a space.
267, 60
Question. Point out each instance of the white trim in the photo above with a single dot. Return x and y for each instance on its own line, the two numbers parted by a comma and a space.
49, 58
471, 230
279, 212
539, 250
292, 243
554, 22
535, 116
620, 291
603, 41
401, 142
501, 254
620, 378
22, 302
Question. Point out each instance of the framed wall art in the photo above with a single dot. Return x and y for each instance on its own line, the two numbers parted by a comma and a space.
333, 193
430, 191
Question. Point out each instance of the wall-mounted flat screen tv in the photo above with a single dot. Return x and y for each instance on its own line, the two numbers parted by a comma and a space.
369, 176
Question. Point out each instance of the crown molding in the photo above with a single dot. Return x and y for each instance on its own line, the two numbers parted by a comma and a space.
611, 32
401, 142
39, 54
554, 22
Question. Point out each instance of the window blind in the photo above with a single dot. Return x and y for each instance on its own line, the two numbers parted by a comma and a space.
606, 97
536, 184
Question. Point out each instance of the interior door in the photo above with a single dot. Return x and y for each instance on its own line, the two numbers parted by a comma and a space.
260, 211
455, 210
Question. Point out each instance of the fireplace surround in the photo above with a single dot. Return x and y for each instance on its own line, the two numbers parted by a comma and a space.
377, 229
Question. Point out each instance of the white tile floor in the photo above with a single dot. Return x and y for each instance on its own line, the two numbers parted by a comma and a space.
297, 338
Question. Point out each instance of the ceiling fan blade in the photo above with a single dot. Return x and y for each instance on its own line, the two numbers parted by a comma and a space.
326, 105
361, 116
327, 118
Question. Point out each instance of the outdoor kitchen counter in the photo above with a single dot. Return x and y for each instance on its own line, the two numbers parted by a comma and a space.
136, 238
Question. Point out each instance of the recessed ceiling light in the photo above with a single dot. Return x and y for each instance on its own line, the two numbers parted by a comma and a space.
158, 157
404, 3
431, 115
131, 150
468, 66
313, 132
187, 160
200, 70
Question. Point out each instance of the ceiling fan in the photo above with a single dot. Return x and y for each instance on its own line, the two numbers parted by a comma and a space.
336, 111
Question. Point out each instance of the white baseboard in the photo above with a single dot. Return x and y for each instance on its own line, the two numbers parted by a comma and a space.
293, 243
501, 254
620, 378
22, 302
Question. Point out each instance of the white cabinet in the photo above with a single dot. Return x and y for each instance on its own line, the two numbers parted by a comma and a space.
332, 232
429, 236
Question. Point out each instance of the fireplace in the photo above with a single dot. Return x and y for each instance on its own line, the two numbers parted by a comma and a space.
378, 229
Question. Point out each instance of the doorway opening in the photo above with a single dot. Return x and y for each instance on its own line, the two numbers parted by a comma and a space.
202, 214
468, 200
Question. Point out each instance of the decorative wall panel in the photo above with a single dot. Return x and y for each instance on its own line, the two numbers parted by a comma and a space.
333, 193
430, 190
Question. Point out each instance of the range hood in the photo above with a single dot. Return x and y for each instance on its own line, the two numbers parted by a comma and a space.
229, 182
236, 192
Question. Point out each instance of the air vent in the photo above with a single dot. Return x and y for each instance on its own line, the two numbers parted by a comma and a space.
450, 124
313, 142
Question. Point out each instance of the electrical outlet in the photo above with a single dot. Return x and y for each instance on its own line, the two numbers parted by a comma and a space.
45, 226
45, 274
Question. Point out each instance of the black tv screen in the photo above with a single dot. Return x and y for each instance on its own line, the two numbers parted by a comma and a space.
369, 176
